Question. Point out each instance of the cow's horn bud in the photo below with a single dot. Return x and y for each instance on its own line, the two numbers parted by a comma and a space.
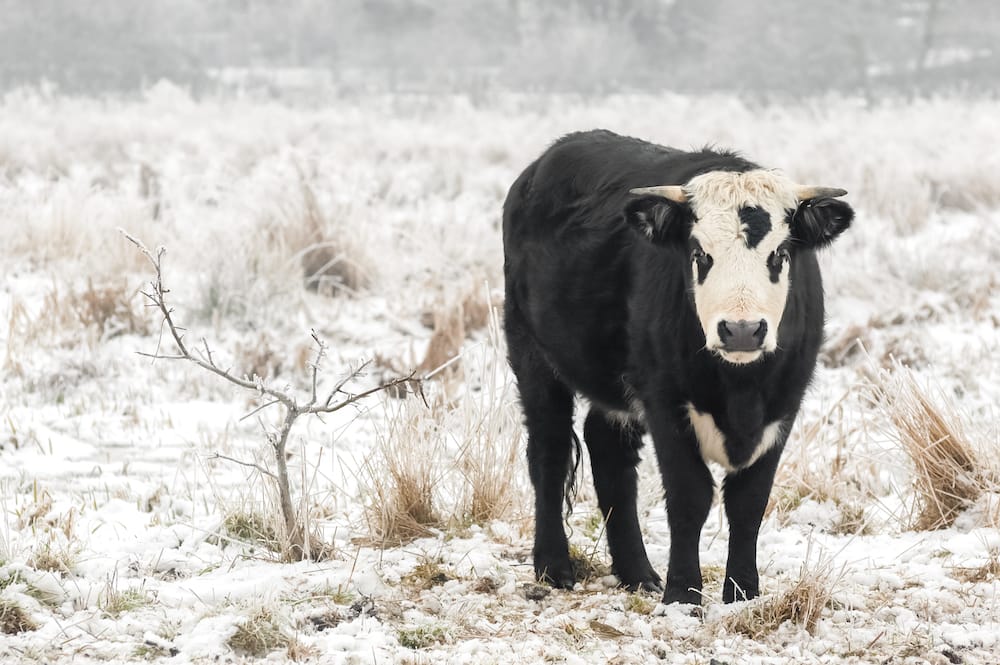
671, 192
806, 192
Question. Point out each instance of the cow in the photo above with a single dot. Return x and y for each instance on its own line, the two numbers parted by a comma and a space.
679, 293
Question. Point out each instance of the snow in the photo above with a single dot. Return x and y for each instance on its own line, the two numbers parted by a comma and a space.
109, 462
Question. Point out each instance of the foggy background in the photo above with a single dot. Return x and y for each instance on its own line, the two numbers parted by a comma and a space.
314, 48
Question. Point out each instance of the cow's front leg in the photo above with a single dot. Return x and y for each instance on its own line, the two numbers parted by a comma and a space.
688, 487
745, 494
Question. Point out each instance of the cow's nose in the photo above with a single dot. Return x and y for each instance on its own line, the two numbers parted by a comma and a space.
742, 335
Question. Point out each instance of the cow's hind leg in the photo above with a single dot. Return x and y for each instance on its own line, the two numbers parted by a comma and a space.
548, 417
614, 454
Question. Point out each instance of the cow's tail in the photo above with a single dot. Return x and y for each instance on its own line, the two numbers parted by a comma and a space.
571, 479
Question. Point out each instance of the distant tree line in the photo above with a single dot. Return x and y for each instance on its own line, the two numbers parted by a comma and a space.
779, 47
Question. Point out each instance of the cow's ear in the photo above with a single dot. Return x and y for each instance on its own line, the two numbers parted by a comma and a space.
818, 222
661, 220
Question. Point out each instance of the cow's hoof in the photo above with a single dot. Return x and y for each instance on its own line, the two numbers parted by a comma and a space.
640, 577
556, 574
648, 582
684, 596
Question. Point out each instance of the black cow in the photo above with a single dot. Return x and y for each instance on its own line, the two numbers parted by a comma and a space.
692, 310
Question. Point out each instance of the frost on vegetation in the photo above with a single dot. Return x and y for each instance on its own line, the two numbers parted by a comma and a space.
13, 618
380, 225
802, 604
949, 474
259, 634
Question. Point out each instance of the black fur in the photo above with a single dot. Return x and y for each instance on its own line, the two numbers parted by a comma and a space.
596, 308
756, 224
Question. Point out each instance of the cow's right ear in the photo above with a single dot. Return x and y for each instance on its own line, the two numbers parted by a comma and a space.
661, 220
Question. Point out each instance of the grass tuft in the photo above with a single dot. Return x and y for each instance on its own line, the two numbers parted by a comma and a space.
427, 575
258, 635
802, 605
253, 528
14, 619
421, 637
987, 572
948, 476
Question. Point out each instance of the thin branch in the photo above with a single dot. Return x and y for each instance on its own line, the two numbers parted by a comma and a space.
343, 382
260, 408
257, 467
351, 399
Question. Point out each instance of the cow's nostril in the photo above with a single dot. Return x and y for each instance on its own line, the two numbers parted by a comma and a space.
761, 332
724, 333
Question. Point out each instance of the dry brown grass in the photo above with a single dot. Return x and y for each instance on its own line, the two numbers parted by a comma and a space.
259, 634
948, 474
802, 604
466, 449
333, 257
444, 346
69, 316
14, 619
400, 477
491, 437
986, 572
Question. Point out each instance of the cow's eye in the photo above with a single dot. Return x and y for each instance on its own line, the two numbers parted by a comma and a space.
778, 259
697, 254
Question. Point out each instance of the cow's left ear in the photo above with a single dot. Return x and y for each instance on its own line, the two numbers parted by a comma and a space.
662, 221
817, 222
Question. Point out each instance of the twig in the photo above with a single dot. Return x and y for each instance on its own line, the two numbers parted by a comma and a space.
258, 467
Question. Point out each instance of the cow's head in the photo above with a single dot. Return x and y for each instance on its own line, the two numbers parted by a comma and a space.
741, 232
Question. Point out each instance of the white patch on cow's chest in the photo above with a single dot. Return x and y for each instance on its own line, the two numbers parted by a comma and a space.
712, 442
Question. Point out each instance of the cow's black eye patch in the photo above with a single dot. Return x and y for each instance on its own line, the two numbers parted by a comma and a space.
756, 223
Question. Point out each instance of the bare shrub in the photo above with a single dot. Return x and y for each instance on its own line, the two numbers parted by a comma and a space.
948, 476
802, 604
298, 540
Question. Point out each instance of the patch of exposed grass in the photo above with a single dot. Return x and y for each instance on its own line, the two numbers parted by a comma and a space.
115, 602
426, 575
53, 559
586, 566
985, 573
638, 603
253, 528
802, 604
14, 619
852, 521
421, 637
258, 635
298, 651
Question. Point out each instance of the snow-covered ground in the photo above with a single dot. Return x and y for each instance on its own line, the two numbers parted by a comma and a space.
126, 536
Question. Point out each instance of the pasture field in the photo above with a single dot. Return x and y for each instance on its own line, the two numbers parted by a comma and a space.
139, 519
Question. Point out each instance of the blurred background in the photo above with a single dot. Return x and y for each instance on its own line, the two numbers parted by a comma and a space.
310, 48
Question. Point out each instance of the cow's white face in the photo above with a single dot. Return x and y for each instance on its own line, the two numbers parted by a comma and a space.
739, 259
740, 232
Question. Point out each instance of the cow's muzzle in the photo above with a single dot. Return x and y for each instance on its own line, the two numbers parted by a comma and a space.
742, 336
